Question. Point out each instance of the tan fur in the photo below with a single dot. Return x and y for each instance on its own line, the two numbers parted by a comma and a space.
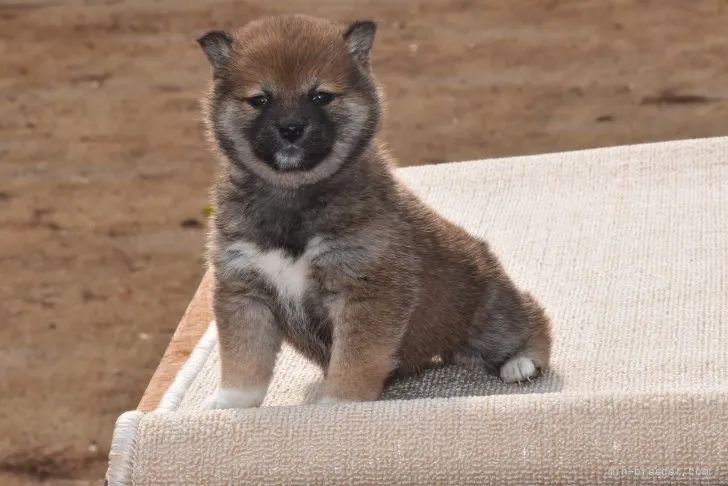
392, 283
262, 62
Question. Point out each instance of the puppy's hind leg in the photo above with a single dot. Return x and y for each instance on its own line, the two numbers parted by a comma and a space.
534, 357
511, 336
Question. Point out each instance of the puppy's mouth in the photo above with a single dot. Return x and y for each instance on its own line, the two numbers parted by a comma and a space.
290, 158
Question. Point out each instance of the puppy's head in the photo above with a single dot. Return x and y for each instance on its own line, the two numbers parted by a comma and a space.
293, 98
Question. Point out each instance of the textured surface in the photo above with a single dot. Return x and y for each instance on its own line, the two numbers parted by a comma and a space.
102, 158
626, 247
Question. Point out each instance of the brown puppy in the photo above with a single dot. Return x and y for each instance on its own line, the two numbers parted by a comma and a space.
316, 242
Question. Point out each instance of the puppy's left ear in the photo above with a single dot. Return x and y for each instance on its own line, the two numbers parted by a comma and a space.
217, 46
359, 38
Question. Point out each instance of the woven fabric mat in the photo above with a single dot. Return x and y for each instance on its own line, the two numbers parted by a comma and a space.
626, 247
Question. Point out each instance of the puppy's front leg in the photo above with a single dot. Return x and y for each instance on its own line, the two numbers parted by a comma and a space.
249, 340
366, 338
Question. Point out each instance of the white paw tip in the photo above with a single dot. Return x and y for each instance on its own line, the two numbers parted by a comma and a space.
327, 399
518, 369
235, 398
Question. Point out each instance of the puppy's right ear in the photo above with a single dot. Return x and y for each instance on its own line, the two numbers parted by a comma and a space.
217, 45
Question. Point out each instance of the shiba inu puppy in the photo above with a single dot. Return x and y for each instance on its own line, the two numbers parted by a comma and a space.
315, 241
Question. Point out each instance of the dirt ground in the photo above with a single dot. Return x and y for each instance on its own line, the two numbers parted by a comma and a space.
104, 173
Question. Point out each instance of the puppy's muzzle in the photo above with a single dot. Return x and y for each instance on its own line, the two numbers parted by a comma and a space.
292, 131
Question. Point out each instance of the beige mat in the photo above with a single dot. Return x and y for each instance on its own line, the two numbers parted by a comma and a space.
626, 247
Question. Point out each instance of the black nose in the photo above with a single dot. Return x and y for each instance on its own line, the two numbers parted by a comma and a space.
291, 131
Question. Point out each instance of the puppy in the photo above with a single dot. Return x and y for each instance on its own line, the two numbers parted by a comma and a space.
315, 241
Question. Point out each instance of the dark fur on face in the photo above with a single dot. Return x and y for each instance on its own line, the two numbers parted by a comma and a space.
292, 99
314, 240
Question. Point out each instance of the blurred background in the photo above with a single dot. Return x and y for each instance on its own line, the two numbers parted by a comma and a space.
104, 172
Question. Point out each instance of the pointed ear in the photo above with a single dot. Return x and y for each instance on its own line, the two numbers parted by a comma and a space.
217, 45
359, 38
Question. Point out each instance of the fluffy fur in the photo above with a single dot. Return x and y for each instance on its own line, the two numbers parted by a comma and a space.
314, 240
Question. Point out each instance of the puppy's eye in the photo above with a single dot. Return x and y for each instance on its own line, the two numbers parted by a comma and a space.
259, 101
322, 98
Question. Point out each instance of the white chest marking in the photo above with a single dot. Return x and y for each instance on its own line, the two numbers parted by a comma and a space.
288, 275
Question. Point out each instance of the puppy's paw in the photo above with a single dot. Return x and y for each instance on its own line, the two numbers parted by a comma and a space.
234, 398
328, 399
518, 369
